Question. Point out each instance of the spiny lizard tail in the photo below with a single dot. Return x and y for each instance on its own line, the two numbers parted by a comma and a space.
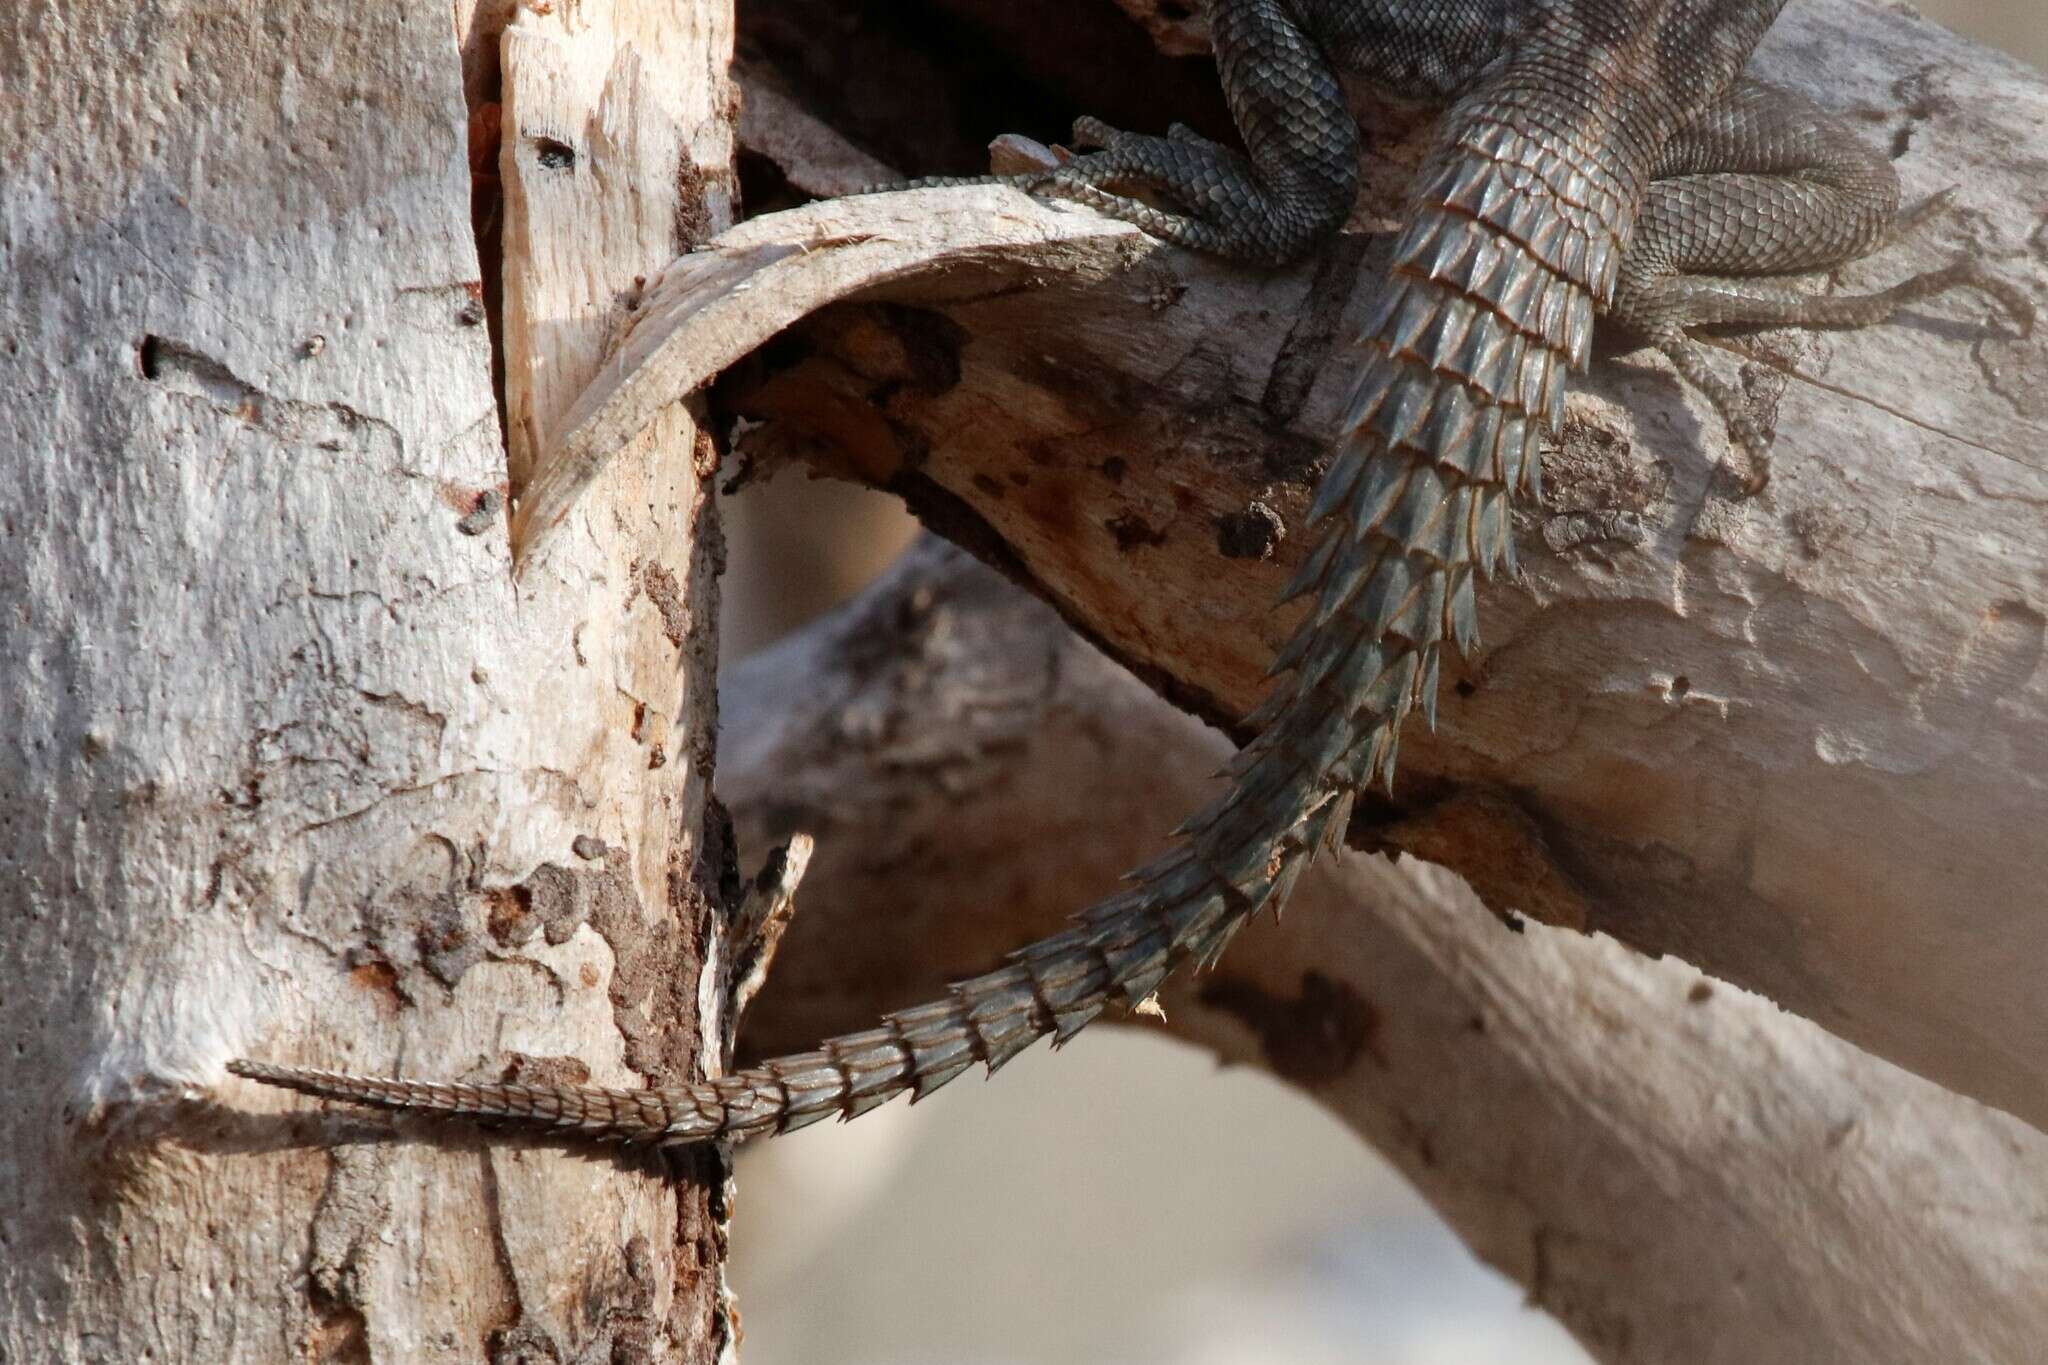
1515, 231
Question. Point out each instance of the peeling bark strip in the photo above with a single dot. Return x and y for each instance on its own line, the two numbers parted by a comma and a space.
287, 762
1795, 739
1677, 1173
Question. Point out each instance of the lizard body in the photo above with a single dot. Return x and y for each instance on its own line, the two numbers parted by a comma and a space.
1594, 155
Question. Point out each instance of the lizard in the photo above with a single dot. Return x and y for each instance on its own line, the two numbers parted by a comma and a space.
1603, 157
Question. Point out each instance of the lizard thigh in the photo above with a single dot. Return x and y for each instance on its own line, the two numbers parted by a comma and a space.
1761, 183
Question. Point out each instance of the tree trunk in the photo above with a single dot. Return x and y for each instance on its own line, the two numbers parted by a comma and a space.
1797, 739
1678, 1170
291, 764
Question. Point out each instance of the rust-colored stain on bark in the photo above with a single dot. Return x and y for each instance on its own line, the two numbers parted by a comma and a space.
1132, 531
380, 976
508, 915
667, 596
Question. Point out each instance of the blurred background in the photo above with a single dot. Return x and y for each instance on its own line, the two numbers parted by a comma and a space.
1088, 1207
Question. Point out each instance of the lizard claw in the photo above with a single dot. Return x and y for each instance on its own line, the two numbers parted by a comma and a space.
1972, 273
1751, 442
2017, 305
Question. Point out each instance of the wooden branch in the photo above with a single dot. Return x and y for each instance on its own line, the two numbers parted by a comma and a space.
1676, 1169
1797, 740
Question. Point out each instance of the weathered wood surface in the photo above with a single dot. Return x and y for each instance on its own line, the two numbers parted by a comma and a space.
1800, 740
290, 765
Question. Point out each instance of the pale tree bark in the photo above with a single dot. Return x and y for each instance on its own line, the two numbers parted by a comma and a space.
1799, 739
291, 764
1675, 1168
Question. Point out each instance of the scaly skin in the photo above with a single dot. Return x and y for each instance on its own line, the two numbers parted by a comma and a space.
1596, 155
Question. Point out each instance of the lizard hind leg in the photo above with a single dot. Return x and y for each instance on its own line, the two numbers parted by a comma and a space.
1764, 183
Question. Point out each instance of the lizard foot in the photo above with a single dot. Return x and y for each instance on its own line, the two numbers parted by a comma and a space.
1213, 199
1679, 304
1689, 358
1217, 203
